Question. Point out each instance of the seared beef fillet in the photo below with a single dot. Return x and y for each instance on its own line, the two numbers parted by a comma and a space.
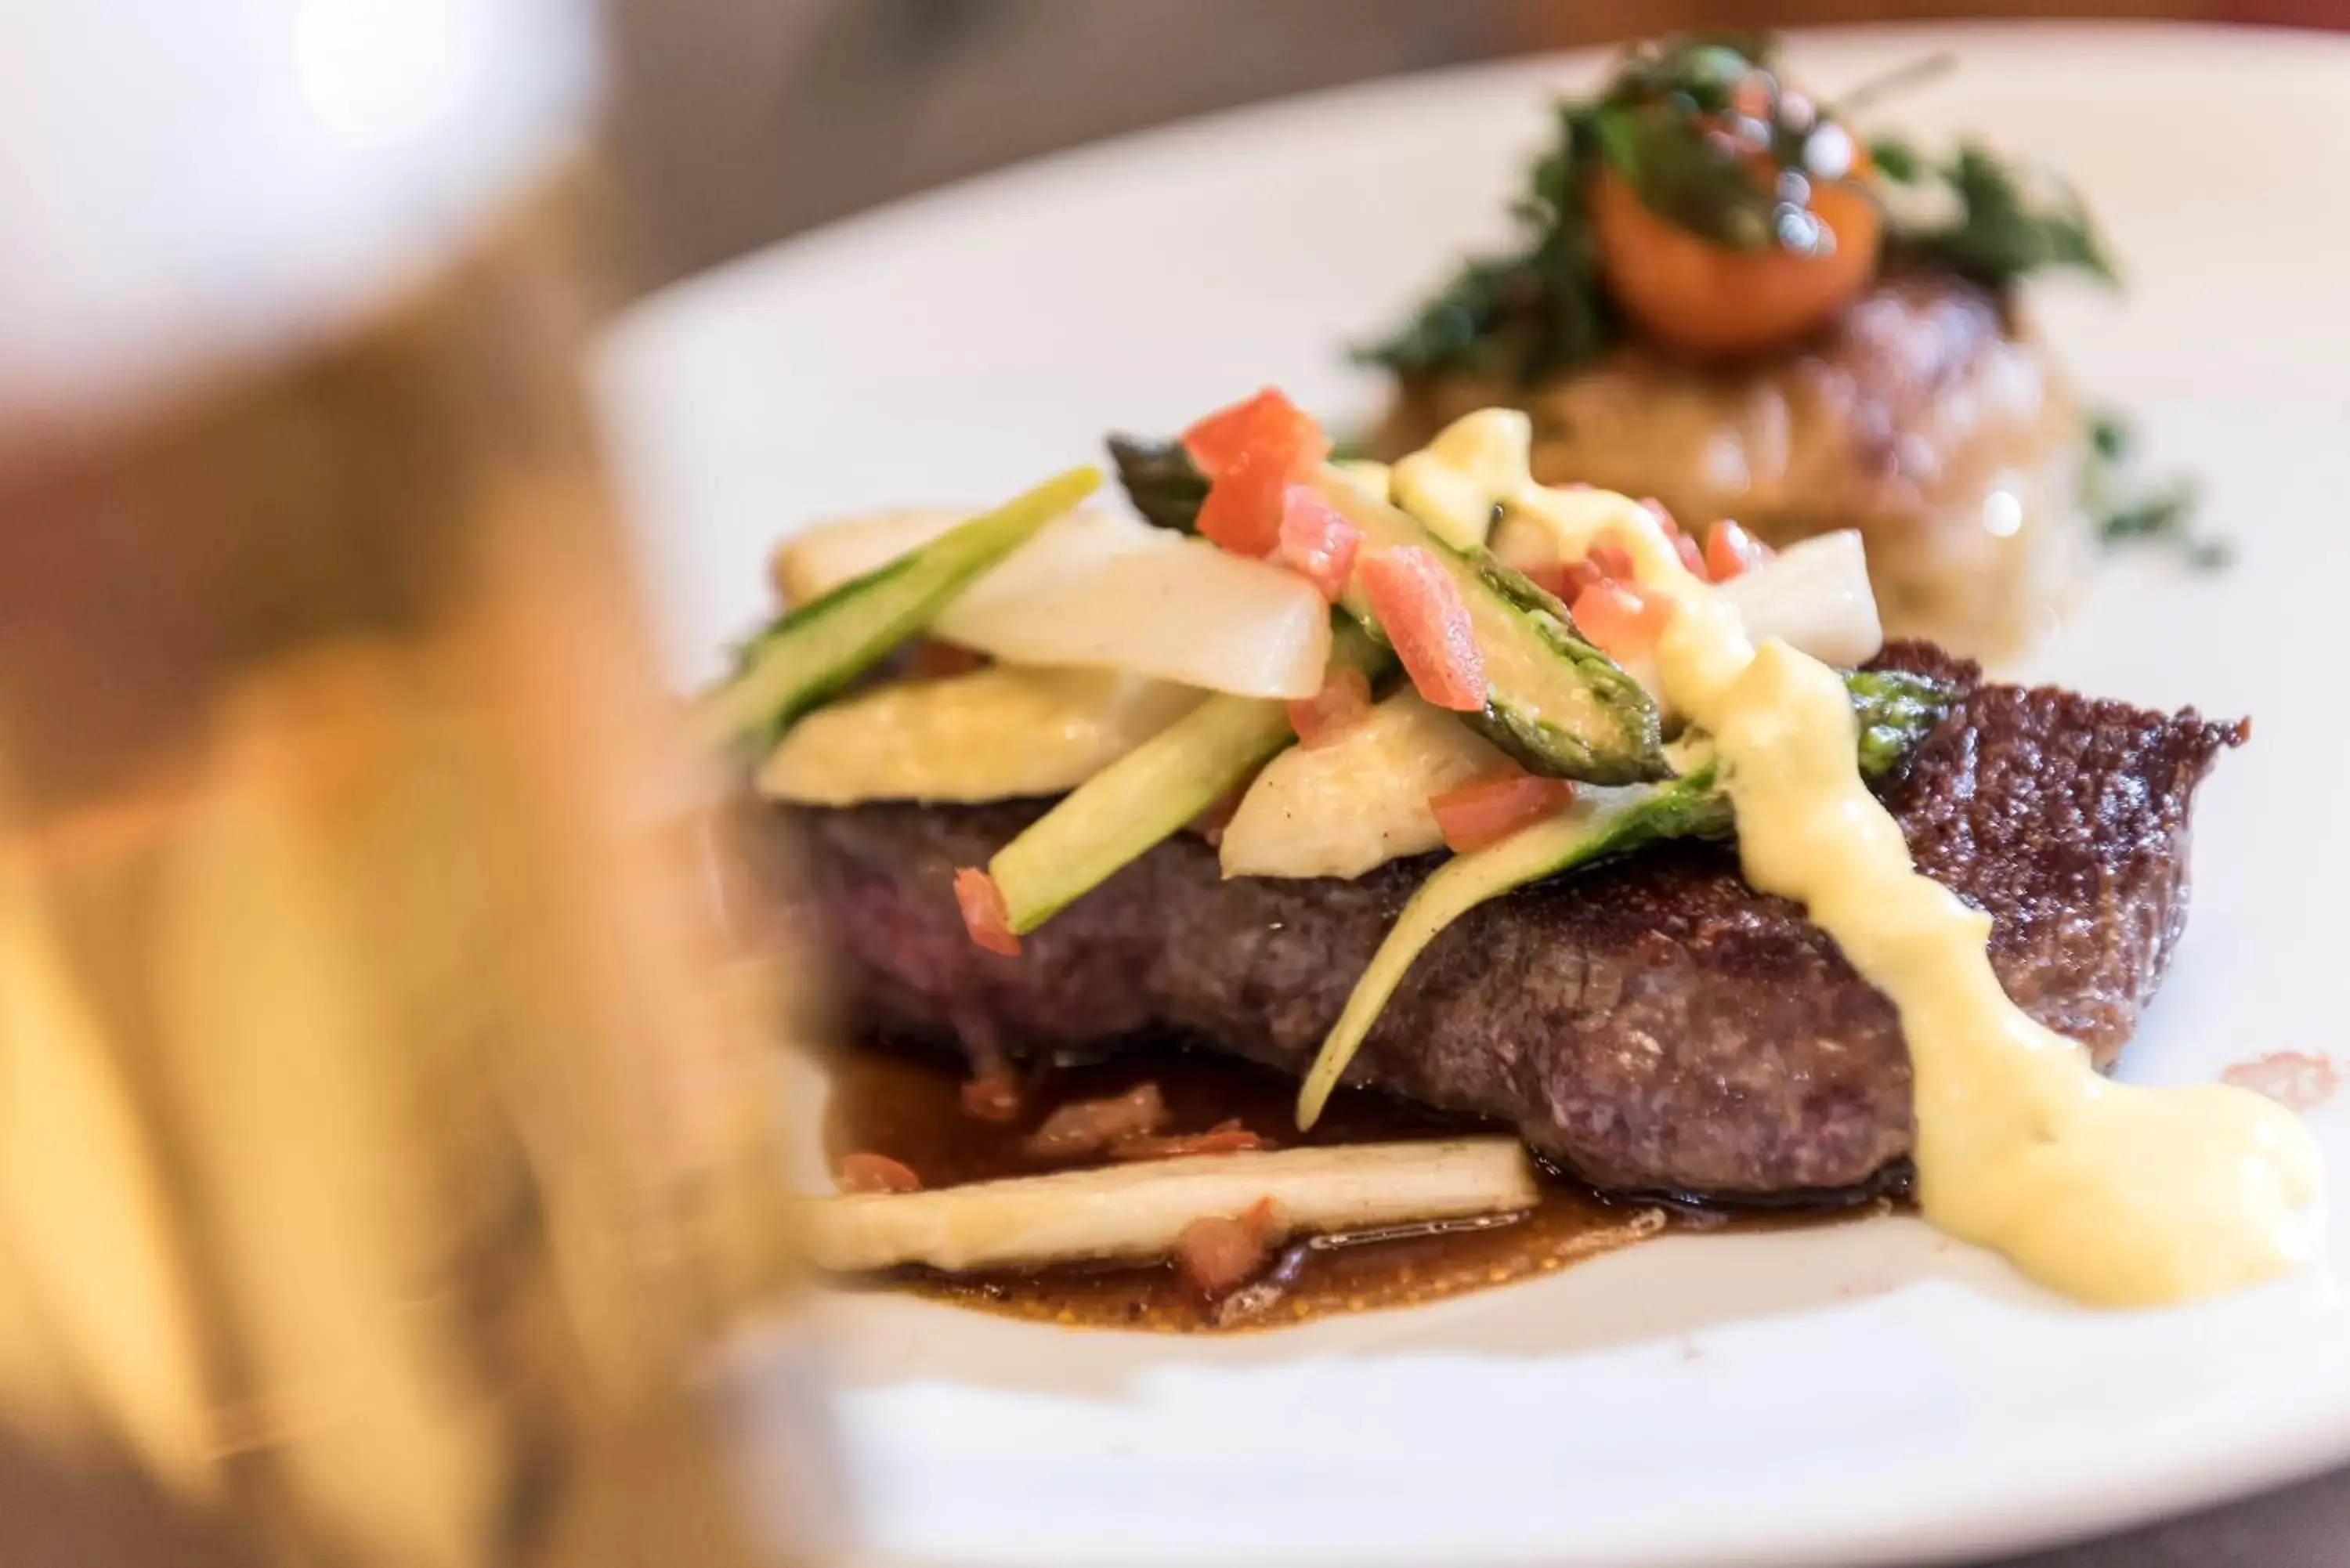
1654, 1024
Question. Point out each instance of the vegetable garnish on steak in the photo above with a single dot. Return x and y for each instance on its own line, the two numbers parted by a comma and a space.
1651, 1024
1719, 919
1893, 710
814, 652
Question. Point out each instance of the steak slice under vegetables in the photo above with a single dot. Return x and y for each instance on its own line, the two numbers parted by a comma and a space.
1651, 1024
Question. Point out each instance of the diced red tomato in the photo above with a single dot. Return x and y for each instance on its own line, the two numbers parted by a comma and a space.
1489, 809
1266, 418
1317, 542
983, 914
1420, 608
1242, 509
1610, 559
1622, 618
1219, 1253
1692, 557
1214, 440
1729, 550
993, 1096
1224, 1137
1581, 575
1565, 581
863, 1171
1251, 452
1550, 576
1345, 697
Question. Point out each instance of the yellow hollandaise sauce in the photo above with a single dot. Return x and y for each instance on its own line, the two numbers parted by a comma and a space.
2114, 1194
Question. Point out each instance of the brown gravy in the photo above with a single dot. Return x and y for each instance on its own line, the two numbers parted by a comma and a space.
905, 1104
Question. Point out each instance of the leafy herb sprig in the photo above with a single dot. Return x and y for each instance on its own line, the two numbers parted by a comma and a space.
1692, 121
1161, 480
1540, 307
2002, 229
1685, 122
1681, 122
2162, 515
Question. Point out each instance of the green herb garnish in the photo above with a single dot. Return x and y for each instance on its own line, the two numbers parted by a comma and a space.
1702, 130
2165, 516
2110, 437
1160, 479
2001, 231
1683, 122
1522, 314
2161, 514
1689, 119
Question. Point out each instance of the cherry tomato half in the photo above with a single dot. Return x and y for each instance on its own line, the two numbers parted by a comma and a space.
1711, 302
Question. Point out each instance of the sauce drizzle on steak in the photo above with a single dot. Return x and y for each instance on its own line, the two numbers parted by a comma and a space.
1650, 1025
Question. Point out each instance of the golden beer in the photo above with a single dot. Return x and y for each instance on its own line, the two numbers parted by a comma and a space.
383, 1150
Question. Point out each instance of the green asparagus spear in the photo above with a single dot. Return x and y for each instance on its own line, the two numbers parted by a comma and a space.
1555, 702
1148, 793
1559, 705
813, 651
1161, 480
1895, 710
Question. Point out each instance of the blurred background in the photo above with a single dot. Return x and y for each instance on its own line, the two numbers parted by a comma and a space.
736, 122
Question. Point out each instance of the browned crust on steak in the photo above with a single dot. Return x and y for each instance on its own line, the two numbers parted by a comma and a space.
1651, 1024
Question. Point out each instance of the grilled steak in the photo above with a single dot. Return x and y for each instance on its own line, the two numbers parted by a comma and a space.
1654, 1024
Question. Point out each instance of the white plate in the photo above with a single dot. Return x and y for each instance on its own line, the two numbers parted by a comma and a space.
1861, 1394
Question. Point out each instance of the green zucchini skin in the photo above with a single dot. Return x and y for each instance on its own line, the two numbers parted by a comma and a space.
1614, 737
1894, 711
1149, 794
810, 653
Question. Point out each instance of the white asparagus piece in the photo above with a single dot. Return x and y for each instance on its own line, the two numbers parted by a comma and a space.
1101, 590
1358, 801
825, 554
995, 733
1139, 1211
1814, 594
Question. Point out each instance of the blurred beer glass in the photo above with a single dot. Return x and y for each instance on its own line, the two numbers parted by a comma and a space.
383, 1152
